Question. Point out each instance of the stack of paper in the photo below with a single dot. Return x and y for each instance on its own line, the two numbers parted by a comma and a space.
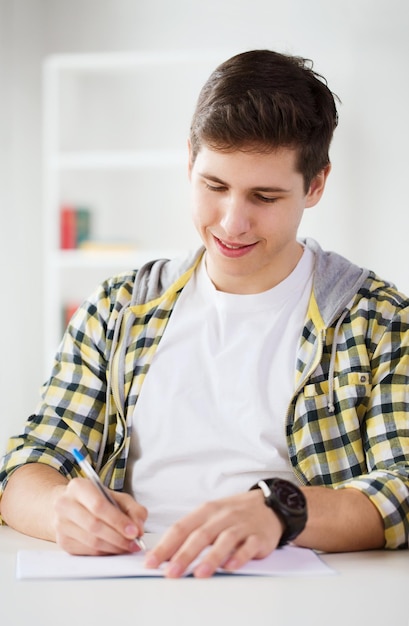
46, 564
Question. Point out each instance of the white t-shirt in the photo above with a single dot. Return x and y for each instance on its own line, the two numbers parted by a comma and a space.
210, 419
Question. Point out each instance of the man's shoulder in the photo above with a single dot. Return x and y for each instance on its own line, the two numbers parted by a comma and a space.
148, 282
380, 290
340, 283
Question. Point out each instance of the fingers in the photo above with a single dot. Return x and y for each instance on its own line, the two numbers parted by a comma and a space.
86, 523
249, 549
130, 508
233, 531
228, 551
189, 528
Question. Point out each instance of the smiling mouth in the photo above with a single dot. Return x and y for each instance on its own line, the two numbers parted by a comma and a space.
233, 246
233, 250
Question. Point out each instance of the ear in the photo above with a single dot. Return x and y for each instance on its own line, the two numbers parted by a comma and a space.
317, 187
190, 162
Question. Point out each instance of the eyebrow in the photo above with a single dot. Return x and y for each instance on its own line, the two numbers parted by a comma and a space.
215, 179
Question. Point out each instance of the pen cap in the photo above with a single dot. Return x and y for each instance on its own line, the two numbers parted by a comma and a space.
78, 456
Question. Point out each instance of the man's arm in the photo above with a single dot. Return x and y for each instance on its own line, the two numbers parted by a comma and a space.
242, 527
28, 500
341, 520
41, 502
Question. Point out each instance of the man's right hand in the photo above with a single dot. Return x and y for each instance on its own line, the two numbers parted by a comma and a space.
40, 502
87, 523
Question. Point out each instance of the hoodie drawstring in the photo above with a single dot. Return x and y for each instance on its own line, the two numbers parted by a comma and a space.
330, 406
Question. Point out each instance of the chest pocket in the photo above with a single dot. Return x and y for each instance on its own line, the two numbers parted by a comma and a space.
349, 394
328, 444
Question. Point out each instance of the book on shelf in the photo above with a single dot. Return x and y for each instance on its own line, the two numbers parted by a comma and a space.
83, 231
75, 226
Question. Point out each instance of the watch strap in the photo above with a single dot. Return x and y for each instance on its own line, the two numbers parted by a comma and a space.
294, 520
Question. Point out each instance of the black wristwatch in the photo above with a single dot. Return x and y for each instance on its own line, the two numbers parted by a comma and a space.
288, 502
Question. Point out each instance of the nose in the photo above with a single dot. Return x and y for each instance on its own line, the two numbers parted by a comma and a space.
235, 219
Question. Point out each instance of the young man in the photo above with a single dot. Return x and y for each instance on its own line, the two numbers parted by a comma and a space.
251, 395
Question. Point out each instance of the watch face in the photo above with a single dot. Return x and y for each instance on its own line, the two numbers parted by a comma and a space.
288, 503
289, 495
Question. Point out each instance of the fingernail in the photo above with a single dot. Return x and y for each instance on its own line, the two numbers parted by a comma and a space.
152, 561
231, 564
203, 570
131, 531
173, 570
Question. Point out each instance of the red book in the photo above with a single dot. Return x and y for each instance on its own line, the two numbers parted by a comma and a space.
68, 228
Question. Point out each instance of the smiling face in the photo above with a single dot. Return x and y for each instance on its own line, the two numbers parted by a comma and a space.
247, 207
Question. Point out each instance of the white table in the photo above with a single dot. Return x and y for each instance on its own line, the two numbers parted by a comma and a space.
370, 589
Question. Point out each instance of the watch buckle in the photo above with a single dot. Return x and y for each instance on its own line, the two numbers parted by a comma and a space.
264, 488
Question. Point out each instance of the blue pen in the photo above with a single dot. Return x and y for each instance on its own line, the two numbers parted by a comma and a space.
93, 476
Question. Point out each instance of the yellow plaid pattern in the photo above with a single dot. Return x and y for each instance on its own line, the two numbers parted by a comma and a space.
347, 425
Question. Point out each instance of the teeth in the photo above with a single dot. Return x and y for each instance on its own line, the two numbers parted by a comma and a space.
230, 246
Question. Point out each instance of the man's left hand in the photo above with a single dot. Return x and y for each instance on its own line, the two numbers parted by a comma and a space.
235, 529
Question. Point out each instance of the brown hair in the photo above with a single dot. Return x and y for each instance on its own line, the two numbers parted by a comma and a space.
263, 100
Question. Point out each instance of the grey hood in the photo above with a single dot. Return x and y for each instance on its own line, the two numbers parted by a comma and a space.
336, 280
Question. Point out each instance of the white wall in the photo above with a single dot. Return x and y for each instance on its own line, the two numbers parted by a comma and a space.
361, 46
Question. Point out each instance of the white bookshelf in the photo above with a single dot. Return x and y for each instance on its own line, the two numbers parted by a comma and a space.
115, 131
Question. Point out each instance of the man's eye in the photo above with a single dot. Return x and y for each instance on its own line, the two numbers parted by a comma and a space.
214, 187
267, 199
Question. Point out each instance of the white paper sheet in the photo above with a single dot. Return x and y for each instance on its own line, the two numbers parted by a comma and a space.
54, 564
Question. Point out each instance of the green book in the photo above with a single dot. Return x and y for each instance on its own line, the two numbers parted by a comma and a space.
83, 225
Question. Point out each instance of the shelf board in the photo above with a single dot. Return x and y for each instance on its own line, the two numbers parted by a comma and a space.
113, 159
83, 259
117, 61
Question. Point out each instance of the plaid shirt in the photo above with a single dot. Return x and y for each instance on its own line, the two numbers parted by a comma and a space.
347, 425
